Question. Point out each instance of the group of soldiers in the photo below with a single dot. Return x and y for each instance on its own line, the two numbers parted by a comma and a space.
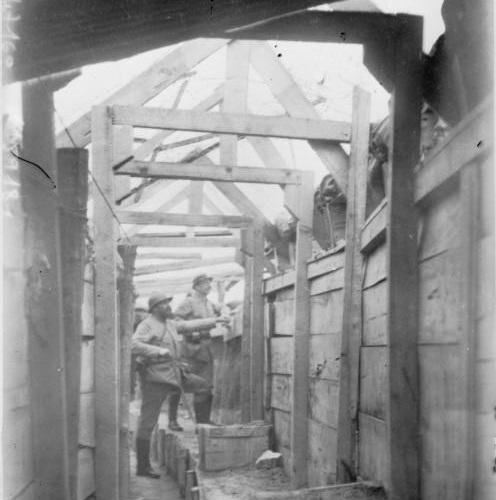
169, 366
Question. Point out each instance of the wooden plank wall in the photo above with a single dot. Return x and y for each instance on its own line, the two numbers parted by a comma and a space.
86, 453
326, 312
456, 330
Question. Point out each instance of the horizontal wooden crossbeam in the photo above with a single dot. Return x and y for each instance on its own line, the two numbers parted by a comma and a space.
168, 256
208, 172
181, 242
231, 123
179, 266
191, 220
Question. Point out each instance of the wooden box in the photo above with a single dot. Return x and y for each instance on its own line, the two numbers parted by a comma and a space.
231, 446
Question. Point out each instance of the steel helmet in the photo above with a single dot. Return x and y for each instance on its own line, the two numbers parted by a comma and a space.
157, 298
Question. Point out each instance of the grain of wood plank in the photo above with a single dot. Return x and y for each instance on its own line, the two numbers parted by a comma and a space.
205, 171
282, 360
485, 292
327, 282
372, 448
326, 312
374, 228
231, 123
440, 300
278, 282
373, 379
282, 428
375, 271
147, 85
284, 317
86, 473
192, 220
325, 265
325, 356
351, 327
322, 444
281, 389
323, 402
87, 419
182, 242
186, 264
107, 352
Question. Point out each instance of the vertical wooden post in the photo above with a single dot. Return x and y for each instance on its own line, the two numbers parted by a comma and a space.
46, 340
402, 353
298, 199
257, 324
122, 149
246, 249
352, 309
107, 348
126, 321
72, 185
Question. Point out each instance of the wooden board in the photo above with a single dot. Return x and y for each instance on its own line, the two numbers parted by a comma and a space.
373, 377
180, 242
282, 424
440, 299
225, 447
278, 282
204, 220
376, 265
375, 314
281, 388
147, 85
87, 419
322, 445
231, 123
441, 226
209, 172
86, 473
326, 313
372, 448
281, 349
327, 282
87, 366
88, 311
325, 356
374, 229
326, 265
284, 317
442, 422
485, 278
323, 402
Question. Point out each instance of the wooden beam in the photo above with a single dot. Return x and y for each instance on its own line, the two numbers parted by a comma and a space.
230, 123
205, 171
126, 323
278, 282
402, 399
293, 100
123, 148
177, 266
196, 242
72, 186
351, 335
107, 345
168, 205
470, 138
267, 152
147, 85
374, 228
302, 208
169, 256
192, 220
257, 344
44, 300
149, 146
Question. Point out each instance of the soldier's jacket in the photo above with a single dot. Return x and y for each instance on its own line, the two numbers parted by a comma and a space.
150, 336
195, 349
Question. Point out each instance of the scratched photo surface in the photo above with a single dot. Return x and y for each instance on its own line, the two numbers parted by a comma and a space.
248, 250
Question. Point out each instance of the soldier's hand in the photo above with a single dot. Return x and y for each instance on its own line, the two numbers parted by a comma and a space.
223, 320
163, 353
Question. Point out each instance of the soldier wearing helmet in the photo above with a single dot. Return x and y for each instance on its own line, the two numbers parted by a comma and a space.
156, 343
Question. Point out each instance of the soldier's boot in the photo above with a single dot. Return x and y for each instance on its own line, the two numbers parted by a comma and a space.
202, 411
144, 467
173, 406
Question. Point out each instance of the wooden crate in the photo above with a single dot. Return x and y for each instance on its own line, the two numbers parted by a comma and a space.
231, 446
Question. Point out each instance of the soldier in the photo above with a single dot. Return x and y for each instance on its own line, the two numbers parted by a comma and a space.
155, 342
195, 348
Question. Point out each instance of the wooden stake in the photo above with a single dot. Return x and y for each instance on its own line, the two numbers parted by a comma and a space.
45, 313
352, 311
72, 185
402, 354
126, 323
107, 345
299, 201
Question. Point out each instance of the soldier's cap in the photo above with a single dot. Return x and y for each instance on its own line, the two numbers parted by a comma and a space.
157, 298
201, 277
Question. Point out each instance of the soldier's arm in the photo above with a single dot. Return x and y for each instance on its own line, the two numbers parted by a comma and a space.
141, 343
